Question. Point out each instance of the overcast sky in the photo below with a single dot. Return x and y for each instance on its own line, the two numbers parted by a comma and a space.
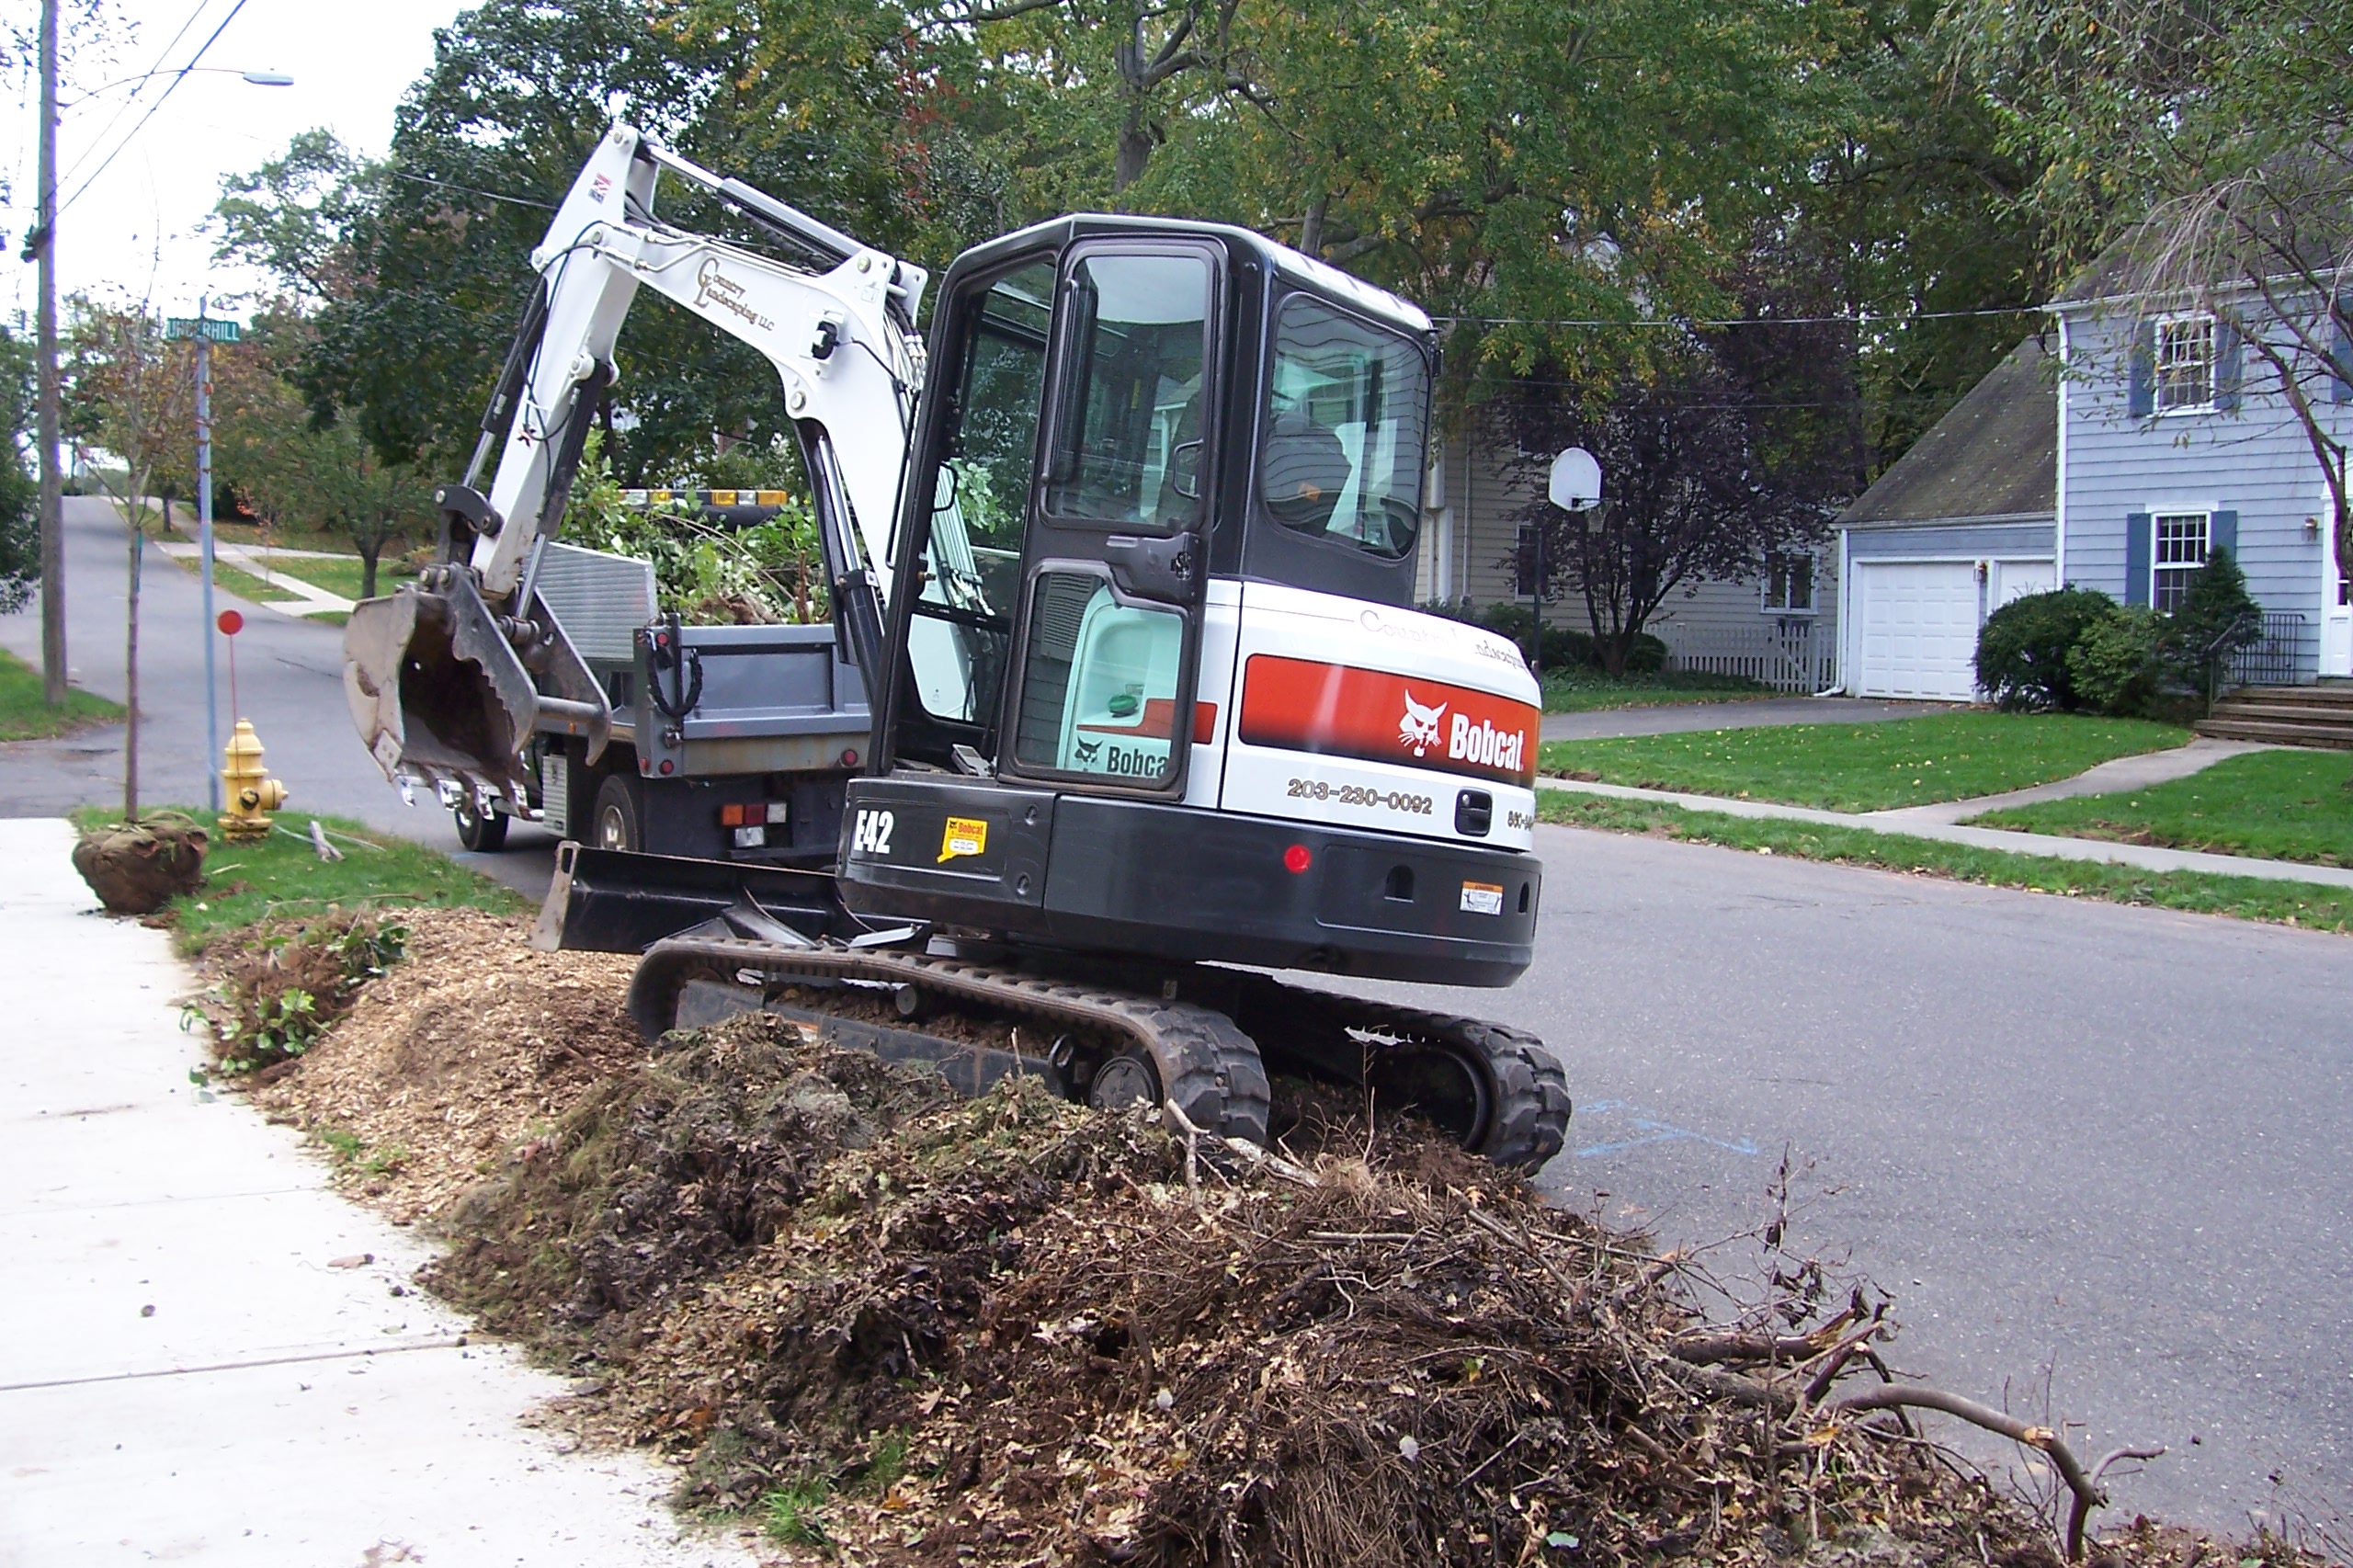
139, 229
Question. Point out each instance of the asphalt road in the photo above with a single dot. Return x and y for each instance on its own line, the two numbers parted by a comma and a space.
2099, 1155
2090, 1149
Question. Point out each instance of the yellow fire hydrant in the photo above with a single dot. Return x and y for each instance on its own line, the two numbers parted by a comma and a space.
250, 792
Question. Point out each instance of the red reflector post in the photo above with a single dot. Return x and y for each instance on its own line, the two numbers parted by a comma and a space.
1297, 859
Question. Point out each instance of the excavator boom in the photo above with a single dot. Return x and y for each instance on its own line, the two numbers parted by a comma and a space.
448, 679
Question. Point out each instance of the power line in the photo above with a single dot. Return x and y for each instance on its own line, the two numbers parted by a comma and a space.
1864, 319
169, 87
470, 190
132, 101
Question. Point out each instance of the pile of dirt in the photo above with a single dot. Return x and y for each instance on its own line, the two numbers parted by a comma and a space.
894, 1326
919, 1329
456, 1054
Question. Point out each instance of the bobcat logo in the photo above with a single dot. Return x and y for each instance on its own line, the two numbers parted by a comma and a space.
1419, 728
1086, 750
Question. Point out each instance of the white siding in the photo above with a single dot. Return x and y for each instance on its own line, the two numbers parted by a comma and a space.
1471, 519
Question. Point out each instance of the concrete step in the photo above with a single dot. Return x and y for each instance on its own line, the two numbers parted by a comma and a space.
2336, 737
2326, 697
2281, 712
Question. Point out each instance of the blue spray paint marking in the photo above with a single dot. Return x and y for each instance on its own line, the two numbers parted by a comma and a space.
1653, 1131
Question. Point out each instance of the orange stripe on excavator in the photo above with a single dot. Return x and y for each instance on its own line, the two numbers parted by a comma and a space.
1337, 710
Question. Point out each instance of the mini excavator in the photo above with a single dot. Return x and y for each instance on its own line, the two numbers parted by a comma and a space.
1123, 706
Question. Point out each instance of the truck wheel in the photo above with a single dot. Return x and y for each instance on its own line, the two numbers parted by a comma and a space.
619, 820
483, 831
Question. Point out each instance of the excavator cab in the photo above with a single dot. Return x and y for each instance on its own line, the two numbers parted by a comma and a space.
1148, 449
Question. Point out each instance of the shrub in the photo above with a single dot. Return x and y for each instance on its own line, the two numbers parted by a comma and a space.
277, 1000
2217, 617
2022, 649
1646, 656
2113, 665
1564, 647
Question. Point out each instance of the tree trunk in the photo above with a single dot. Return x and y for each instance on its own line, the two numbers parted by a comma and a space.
368, 551
131, 674
1311, 229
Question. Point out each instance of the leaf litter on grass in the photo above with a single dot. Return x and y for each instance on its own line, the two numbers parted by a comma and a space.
894, 1326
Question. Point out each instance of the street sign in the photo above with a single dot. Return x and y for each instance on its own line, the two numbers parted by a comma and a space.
215, 328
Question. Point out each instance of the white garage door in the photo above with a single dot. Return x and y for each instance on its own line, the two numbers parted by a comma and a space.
1917, 628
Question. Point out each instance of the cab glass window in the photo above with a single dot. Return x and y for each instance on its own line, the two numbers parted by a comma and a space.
1127, 452
971, 567
1342, 453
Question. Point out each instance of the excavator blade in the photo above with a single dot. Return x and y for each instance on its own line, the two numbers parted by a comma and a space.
441, 694
611, 901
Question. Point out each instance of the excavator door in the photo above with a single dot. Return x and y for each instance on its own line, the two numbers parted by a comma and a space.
1054, 646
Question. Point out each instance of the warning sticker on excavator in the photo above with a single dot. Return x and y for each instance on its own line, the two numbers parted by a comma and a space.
1482, 898
970, 836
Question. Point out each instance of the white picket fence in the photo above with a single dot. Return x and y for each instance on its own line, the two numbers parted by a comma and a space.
1784, 654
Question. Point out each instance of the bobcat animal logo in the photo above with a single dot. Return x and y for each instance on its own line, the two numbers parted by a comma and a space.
1086, 750
1419, 728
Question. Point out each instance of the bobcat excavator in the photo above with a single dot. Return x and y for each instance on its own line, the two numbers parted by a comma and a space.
1121, 572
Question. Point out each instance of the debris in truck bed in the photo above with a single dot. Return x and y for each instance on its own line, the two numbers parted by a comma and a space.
891, 1326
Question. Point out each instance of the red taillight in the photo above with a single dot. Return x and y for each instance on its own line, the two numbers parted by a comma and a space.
1297, 859
849, 759
668, 766
754, 815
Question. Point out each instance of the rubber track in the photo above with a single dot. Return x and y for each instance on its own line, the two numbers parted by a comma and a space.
1206, 1063
1530, 1121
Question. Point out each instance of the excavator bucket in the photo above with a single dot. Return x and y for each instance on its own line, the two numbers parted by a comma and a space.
443, 691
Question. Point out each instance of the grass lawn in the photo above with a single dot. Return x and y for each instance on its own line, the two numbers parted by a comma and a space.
340, 576
245, 584
246, 883
1866, 768
25, 717
2306, 904
1585, 691
2280, 805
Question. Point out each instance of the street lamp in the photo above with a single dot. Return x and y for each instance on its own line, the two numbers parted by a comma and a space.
41, 243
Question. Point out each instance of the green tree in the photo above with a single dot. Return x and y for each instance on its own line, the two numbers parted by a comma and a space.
293, 469
132, 391
2203, 150
19, 493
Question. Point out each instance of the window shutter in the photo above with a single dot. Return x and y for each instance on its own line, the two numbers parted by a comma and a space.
2223, 533
2229, 355
2142, 368
2137, 558
2340, 350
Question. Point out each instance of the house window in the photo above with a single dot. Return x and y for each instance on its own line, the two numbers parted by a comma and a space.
2181, 550
2185, 364
1789, 582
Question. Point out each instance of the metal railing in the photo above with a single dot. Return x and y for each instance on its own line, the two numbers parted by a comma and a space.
1791, 653
2284, 652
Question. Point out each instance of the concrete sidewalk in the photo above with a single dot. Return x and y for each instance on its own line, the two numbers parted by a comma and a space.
1924, 821
308, 598
206, 1356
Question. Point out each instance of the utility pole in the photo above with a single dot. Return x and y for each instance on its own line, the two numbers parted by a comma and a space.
204, 550
52, 532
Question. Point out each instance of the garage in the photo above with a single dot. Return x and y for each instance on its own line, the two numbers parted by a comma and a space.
1914, 629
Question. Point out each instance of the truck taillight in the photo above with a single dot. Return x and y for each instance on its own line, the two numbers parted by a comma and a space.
755, 813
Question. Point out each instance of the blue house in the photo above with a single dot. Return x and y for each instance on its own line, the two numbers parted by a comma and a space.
2161, 433
2176, 435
